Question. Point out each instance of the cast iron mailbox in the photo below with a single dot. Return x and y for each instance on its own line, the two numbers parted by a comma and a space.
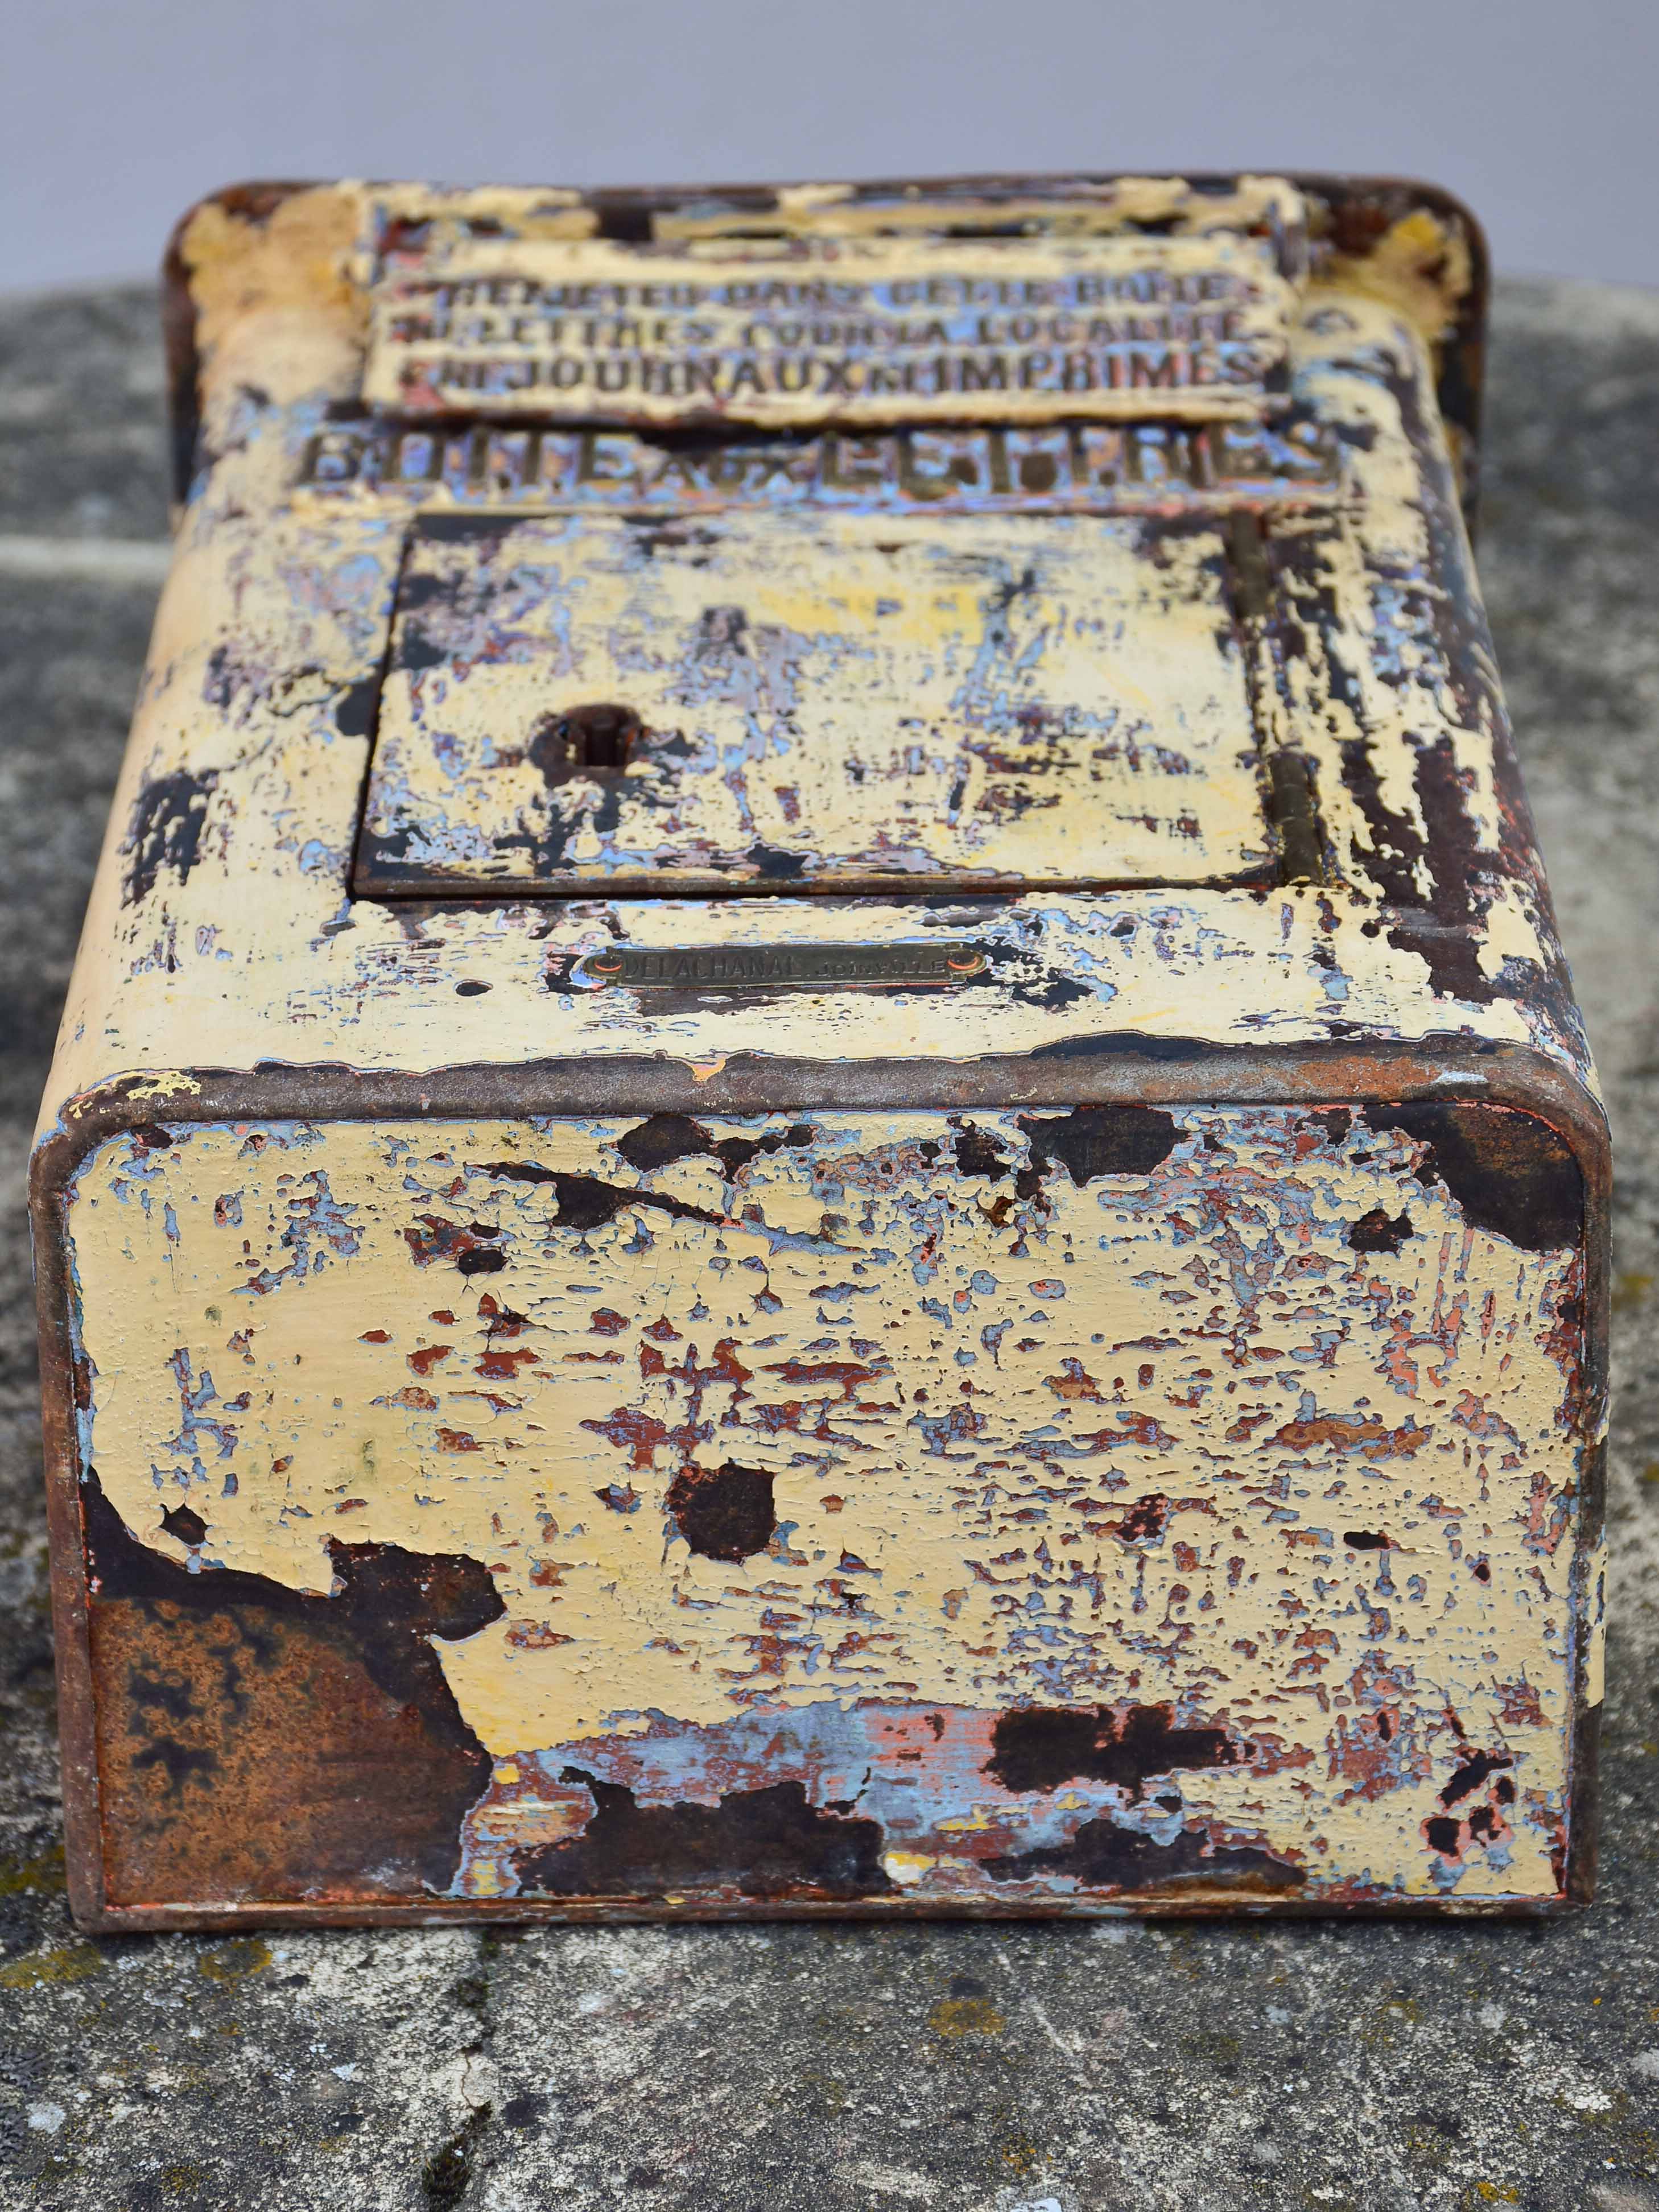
820, 1145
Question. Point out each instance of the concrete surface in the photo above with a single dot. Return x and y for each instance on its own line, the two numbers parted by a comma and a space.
822, 2069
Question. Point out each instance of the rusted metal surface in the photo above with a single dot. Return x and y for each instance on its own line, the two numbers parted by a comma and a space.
1048, 1357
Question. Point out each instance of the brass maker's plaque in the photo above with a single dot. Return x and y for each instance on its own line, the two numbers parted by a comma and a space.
778, 966
791, 334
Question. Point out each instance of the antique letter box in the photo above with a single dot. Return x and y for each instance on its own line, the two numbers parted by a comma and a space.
820, 1145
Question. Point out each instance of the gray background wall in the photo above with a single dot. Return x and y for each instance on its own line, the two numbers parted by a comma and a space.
117, 114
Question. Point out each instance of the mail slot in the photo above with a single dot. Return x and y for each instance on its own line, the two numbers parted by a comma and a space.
820, 1146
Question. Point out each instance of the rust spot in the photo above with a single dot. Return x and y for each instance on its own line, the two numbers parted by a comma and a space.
1478, 1827
1508, 1172
1443, 1836
1075, 1382
844, 1375
1370, 1436
536, 1636
227, 1787
471, 1247
189, 1527
585, 1202
977, 1153
1519, 1705
724, 1514
1377, 1231
166, 831
503, 1366
637, 1433
1104, 1855
1473, 1773
762, 1843
666, 1137
1442, 928
1099, 1140
1145, 1523
1037, 1748
413, 1396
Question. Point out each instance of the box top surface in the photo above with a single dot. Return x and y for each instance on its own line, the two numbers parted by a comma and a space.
1221, 769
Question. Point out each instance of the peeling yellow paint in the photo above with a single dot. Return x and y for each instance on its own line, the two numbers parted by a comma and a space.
1097, 1349
1422, 264
1199, 963
1267, 1459
174, 1085
276, 296
859, 711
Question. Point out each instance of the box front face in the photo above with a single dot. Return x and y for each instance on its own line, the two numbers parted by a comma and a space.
1005, 1511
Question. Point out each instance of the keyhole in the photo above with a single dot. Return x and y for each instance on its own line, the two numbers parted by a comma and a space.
597, 738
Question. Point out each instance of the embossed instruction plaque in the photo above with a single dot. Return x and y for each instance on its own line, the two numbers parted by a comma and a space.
820, 1147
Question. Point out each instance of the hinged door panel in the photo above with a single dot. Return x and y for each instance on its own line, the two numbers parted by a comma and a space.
754, 701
